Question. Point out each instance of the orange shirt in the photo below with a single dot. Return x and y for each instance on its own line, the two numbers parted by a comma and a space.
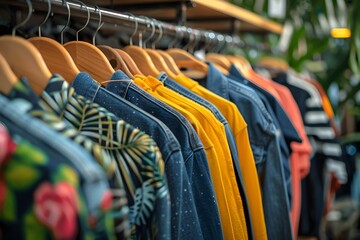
247, 162
220, 163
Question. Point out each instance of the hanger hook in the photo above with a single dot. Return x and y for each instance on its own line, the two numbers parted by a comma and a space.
99, 26
67, 22
172, 43
196, 40
136, 27
152, 31
221, 43
206, 41
161, 32
87, 21
46, 18
191, 38
30, 9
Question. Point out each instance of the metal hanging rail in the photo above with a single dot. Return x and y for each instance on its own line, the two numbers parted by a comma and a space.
127, 20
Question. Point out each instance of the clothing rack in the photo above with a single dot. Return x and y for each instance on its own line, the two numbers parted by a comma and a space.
128, 20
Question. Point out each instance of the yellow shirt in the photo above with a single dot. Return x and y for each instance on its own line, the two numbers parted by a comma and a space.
228, 196
247, 162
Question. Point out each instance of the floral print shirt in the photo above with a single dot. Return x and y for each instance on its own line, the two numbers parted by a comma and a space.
140, 168
41, 196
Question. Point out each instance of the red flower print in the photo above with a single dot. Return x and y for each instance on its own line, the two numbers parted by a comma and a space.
106, 201
7, 145
56, 208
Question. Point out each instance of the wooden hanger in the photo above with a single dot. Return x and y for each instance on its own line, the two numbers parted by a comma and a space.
160, 63
142, 60
169, 61
129, 62
57, 59
88, 57
273, 62
183, 59
241, 63
25, 60
156, 58
218, 59
8, 78
115, 60
194, 67
141, 57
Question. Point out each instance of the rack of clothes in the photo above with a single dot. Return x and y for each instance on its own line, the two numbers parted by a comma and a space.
142, 143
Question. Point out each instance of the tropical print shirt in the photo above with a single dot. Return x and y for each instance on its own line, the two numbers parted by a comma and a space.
140, 168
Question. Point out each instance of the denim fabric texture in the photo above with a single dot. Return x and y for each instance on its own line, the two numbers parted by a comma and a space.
281, 120
192, 150
179, 186
171, 84
264, 139
59, 151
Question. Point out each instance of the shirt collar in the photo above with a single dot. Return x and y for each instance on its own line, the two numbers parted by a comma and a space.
119, 83
152, 82
217, 82
85, 85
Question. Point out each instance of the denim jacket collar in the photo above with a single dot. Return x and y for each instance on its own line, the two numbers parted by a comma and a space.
217, 82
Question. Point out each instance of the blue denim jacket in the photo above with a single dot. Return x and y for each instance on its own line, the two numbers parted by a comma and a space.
171, 84
288, 133
178, 180
193, 152
264, 139
59, 149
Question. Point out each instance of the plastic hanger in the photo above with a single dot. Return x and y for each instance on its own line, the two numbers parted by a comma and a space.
24, 59
141, 57
8, 78
157, 58
57, 59
185, 60
88, 57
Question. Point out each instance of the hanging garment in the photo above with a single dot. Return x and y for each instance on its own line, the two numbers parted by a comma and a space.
301, 152
181, 195
266, 145
173, 85
288, 133
226, 197
324, 144
50, 186
192, 149
130, 148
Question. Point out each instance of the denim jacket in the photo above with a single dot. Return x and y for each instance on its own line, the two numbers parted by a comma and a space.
191, 147
176, 173
265, 143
